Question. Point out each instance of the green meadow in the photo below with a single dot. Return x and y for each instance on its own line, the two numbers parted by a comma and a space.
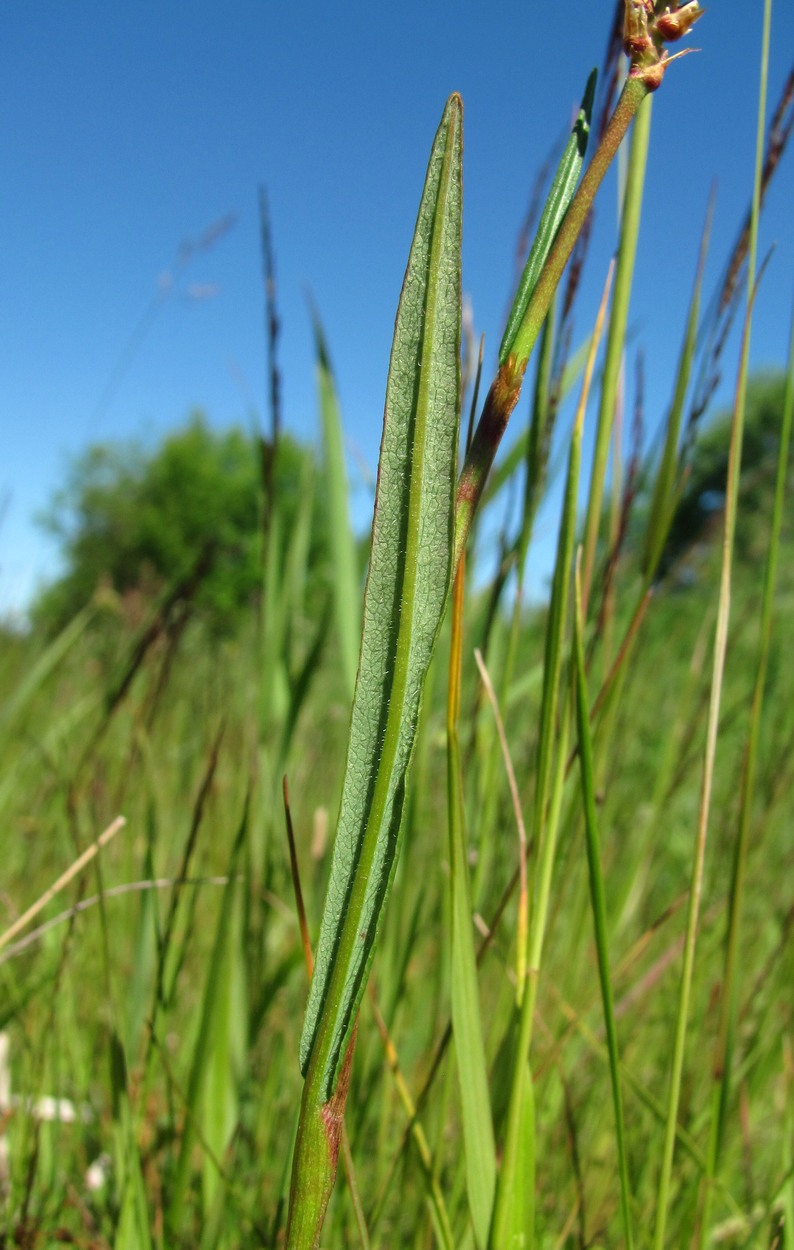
540, 876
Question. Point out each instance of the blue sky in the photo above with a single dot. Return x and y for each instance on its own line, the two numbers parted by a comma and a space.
130, 129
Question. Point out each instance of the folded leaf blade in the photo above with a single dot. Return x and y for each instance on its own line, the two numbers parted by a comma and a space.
407, 587
560, 195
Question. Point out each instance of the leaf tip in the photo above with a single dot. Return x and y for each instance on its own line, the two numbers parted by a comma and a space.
589, 92
453, 110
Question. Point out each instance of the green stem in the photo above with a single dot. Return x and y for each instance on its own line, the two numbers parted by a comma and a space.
720, 644
316, 1151
635, 89
511, 1214
506, 388
598, 899
723, 1062
616, 337
707, 777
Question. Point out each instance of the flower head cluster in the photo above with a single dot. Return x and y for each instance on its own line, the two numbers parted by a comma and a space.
646, 30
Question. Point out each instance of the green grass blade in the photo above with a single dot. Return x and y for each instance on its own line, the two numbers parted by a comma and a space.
665, 489
224, 1065
598, 900
340, 535
45, 665
787, 1200
720, 647
406, 593
505, 389
513, 1211
541, 428
624, 271
435, 1198
145, 949
555, 633
707, 780
723, 1064
214, 1013
467, 1020
723, 1061
132, 1230
555, 208
407, 587
538, 442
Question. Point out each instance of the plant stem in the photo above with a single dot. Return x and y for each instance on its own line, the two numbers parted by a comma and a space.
506, 387
613, 358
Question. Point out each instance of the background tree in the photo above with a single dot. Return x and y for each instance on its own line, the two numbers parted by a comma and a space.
703, 493
138, 519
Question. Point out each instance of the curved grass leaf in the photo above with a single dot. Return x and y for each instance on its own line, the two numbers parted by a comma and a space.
513, 1208
214, 1110
598, 897
407, 586
555, 208
468, 1024
616, 336
132, 1229
46, 664
341, 542
665, 488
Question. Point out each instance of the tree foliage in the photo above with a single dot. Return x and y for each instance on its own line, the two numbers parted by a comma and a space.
136, 519
703, 493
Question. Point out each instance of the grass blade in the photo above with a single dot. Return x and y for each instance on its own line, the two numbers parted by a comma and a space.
707, 779
513, 1213
723, 1061
221, 1001
340, 535
467, 1020
720, 646
308, 958
598, 897
45, 665
560, 196
506, 387
435, 1198
624, 271
407, 587
132, 1231
224, 1063
406, 593
665, 488
787, 1201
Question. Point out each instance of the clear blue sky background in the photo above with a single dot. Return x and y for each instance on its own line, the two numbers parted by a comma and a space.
128, 129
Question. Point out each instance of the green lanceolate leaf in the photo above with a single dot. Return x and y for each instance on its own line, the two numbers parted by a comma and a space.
560, 196
407, 585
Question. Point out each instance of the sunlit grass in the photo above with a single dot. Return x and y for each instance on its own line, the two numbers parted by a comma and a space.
592, 1047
